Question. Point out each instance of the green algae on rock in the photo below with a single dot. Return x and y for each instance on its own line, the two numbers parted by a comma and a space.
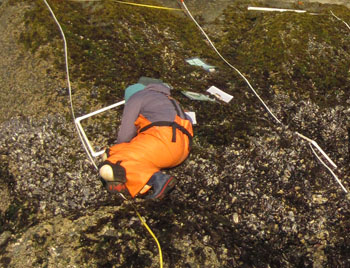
112, 45
302, 55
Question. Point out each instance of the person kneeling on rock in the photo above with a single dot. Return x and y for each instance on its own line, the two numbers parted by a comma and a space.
154, 134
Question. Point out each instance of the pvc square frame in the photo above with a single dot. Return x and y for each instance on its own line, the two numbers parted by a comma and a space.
82, 132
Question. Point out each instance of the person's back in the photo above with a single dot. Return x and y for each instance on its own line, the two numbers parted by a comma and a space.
153, 103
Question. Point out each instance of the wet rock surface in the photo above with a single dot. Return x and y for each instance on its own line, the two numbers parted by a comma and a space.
252, 193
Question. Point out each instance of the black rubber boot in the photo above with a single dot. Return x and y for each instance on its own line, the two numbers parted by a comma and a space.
161, 184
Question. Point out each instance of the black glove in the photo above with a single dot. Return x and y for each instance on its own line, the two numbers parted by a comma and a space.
113, 177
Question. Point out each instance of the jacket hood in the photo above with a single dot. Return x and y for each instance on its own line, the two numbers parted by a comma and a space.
159, 88
131, 90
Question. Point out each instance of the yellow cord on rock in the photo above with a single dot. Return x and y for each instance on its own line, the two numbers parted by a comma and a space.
150, 6
133, 4
90, 157
153, 235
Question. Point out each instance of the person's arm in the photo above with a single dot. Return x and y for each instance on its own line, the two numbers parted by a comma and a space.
127, 130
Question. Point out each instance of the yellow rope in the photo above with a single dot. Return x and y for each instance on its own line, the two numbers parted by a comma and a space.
133, 4
150, 6
153, 235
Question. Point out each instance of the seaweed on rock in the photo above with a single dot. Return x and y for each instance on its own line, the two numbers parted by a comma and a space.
251, 194
301, 55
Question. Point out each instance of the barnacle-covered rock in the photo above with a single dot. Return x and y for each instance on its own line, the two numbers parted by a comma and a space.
251, 194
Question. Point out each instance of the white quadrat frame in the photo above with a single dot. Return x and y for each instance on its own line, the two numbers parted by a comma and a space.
82, 132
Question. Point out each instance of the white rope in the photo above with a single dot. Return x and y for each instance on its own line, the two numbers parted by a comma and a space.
69, 84
314, 143
347, 25
330, 170
311, 142
229, 64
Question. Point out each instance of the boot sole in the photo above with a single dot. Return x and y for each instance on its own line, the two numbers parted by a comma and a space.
167, 187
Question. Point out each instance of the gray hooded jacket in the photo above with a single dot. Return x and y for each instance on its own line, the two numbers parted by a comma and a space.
153, 103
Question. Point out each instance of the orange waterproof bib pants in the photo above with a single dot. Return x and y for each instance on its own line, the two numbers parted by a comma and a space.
151, 150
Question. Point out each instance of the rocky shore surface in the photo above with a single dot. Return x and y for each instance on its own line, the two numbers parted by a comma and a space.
251, 194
